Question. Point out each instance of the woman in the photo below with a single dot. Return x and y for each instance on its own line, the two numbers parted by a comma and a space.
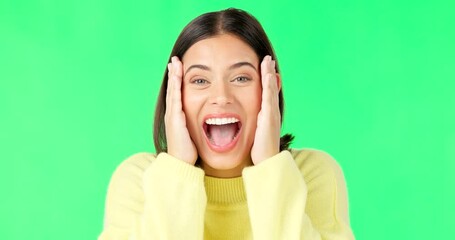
222, 171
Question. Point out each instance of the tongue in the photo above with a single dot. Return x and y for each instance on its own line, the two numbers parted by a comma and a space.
221, 135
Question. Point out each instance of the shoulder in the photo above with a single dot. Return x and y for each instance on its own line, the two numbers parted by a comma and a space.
128, 176
125, 195
327, 190
135, 165
316, 164
313, 158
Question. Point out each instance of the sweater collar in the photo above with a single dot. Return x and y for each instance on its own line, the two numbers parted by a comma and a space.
224, 190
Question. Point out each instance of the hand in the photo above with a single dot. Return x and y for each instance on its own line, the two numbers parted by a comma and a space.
179, 143
267, 137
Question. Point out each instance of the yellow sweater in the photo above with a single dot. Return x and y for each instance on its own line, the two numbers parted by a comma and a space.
299, 194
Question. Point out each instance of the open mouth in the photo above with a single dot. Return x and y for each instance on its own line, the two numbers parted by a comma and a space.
222, 132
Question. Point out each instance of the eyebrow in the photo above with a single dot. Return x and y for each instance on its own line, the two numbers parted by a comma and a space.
241, 64
233, 66
200, 66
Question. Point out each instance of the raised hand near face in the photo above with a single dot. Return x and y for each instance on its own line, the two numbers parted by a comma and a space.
267, 137
179, 142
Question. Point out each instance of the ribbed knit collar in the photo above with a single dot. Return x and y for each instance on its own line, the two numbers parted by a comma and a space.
224, 190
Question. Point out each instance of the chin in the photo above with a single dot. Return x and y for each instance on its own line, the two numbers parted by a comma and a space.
224, 165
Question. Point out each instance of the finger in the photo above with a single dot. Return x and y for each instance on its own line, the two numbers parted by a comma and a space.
264, 80
273, 83
268, 66
173, 95
269, 83
265, 67
177, 84
178, 64
169, 86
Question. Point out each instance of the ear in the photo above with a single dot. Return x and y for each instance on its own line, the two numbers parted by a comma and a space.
278, 81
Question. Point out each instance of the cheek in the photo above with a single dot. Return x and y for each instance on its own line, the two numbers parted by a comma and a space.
189, 99
192, 105
250, 100
253, 99
186, 99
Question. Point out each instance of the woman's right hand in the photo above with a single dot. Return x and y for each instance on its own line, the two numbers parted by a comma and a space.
179, 143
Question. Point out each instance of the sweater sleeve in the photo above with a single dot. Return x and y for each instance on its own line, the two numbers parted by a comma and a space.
285, 204
162, 198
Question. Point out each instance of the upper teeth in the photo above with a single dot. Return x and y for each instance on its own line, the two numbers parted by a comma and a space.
221, 121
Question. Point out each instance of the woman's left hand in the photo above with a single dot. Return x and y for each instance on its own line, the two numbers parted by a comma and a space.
267, 137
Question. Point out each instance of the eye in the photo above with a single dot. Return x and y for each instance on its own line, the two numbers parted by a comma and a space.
241, 79
199, 81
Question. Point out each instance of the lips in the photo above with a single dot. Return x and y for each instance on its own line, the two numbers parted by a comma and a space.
222, 131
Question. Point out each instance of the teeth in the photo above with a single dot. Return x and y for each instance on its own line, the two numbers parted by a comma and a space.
221, 121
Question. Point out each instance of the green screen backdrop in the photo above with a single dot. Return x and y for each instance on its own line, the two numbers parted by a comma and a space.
370, 82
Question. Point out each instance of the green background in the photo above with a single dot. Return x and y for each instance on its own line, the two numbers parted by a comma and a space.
370, 82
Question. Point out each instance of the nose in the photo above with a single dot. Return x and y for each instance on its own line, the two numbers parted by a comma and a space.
220, 94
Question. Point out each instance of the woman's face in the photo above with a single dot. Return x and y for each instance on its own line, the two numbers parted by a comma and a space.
221, 97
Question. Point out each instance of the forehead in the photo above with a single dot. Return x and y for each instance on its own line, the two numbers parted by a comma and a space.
221, 49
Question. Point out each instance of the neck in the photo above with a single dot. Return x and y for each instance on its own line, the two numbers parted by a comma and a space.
225, 173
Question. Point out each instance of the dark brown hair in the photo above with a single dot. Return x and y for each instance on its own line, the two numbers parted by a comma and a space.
230, 21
